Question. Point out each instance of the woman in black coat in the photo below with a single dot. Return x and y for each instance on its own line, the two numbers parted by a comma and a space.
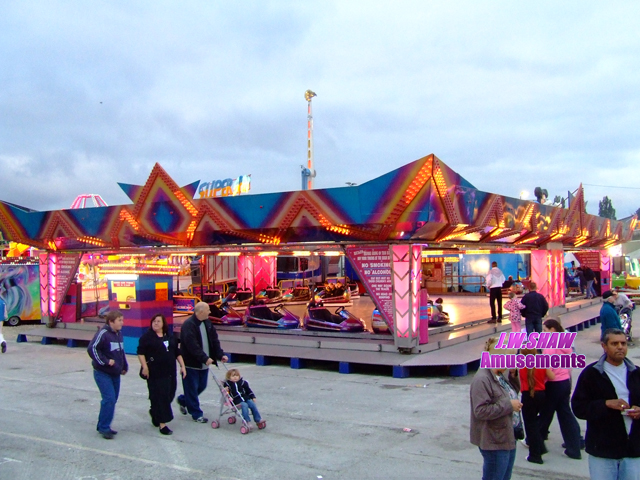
158, 351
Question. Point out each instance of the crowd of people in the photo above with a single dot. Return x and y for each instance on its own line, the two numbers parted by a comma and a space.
161, 357
606, 395
506, 405
533, 306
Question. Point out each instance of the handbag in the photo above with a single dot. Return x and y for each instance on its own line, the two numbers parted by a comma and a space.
140, 373
518, 430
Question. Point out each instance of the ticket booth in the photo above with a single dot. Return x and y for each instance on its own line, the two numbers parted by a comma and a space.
140, 297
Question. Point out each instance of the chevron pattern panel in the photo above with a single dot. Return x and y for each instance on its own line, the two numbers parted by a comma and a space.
540, 272
605, 271
556, 282
416, 273
405, 300
547, 271
265, 272
45, 286
245, 272
256, 273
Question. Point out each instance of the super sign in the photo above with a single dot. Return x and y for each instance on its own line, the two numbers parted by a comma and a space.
224, 188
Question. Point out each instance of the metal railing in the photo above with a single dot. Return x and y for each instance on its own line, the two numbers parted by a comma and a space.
463, 283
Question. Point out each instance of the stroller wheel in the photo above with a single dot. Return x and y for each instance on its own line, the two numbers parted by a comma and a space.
231, 420
215, 424
244, 430
261, 424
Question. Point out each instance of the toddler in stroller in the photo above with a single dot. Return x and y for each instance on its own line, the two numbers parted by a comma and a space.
242, 396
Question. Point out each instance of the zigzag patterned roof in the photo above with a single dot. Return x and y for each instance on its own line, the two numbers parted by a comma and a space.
423, 201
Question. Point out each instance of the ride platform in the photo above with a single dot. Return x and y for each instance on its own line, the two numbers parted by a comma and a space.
457, 346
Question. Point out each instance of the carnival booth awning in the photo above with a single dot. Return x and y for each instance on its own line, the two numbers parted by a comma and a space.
422, 202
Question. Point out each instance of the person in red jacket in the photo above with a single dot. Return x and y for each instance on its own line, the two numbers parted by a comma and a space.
532, 382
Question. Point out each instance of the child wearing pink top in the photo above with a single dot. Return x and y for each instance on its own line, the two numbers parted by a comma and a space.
514, 305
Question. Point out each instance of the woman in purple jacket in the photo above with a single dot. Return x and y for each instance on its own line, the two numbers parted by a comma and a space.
109, 362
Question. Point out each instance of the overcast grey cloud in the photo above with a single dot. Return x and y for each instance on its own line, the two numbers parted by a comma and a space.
512, 95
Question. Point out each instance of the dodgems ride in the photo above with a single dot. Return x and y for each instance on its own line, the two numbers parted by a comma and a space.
259, 315
224, 314
317, 317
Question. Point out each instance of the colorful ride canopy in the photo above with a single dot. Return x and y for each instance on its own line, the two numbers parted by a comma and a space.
422, 202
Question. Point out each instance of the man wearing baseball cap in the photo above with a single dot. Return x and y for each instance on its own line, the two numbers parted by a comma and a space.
609, 317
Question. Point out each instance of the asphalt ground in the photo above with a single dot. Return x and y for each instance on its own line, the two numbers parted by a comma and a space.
320, 424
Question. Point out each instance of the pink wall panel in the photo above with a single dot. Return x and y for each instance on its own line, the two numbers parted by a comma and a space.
548, 273
405, 298
605, 271
262, 270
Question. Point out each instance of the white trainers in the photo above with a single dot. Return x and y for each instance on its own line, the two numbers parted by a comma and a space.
524, 442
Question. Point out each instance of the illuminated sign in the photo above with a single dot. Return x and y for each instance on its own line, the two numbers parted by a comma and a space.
440, 259
224, 188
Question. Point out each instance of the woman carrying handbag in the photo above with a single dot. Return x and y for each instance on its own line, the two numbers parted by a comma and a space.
158, 352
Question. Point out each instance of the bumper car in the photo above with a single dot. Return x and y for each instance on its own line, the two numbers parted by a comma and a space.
317, 317
633, 282
297, 294
262, 316
333, 293
211, 297
270, 295
238, 298
437, 318
225, 315
354, 290
517, 288
378, 323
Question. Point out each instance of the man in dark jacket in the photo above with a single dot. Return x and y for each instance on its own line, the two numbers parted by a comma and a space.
109, 362
609, 317
536, 307
590, 277
607, 396
200, 348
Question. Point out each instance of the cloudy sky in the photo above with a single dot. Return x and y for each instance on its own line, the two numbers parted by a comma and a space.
512, 95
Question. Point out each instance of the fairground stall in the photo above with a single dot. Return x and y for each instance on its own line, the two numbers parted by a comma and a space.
386, 228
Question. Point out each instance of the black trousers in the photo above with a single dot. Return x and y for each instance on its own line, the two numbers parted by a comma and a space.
557, 401
531, 409
161, 394
495, 295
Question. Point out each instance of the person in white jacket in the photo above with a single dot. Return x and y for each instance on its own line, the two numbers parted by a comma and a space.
494, 281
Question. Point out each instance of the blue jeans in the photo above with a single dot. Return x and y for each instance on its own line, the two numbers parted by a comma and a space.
193, 385
533, 324
612, 469
497, 464
109, 386
250, 405
591, 292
